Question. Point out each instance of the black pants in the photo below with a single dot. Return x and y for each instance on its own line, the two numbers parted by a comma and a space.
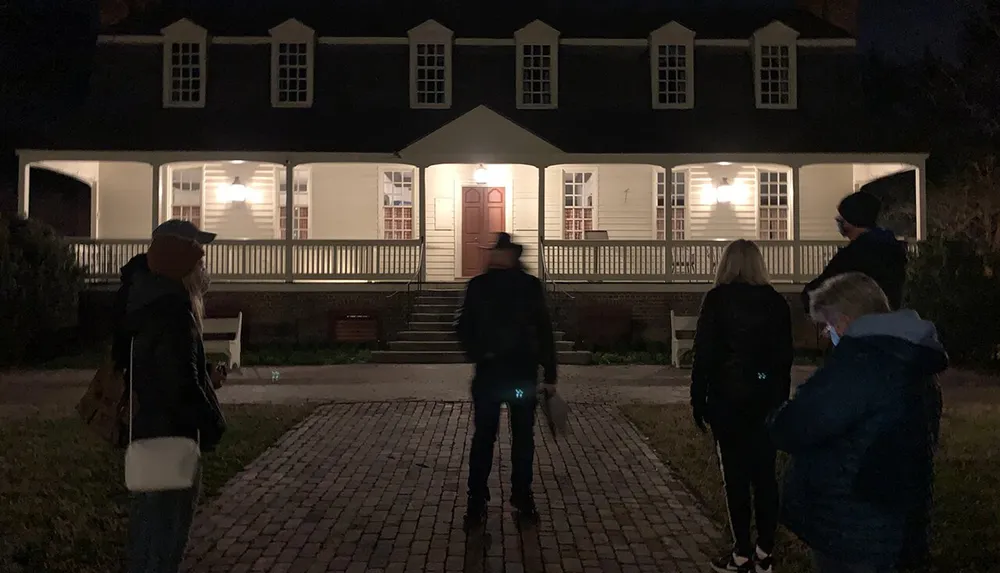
521, 411
748, 461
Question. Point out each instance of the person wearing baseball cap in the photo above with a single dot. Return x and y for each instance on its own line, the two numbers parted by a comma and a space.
872, 250
184, 230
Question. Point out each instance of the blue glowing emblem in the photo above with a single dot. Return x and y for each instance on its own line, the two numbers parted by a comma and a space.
519, 393
762, 376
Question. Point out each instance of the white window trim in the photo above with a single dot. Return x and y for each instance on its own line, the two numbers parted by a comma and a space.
669, 178
292, 31
380, 222
776, 34
671, 34
756, 216
430, 32
203, 203
594, 176
184, 31
537, 33
280, 200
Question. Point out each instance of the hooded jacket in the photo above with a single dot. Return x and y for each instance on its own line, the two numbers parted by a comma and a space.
876, 253
862, 432
167, 363
742, 355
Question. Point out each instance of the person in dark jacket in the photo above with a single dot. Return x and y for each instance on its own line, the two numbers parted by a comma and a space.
872, 250
173, 390
862, 431
505, 329
741, 373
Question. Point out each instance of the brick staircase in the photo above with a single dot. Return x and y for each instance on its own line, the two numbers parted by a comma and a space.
430, 336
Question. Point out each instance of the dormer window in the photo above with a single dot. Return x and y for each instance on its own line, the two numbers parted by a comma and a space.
672, 67
775, 67
430, 66
184, 51
537, 46
292, 64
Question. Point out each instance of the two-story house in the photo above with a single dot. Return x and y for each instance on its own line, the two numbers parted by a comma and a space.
350, 150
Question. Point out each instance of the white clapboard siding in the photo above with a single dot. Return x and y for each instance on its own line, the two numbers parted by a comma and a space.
708, 220
252, 219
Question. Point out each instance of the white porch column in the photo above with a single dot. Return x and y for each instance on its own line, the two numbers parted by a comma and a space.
289, 219
155, 214
921, 201
668, 230
23, 186
796, 222
541, 222
422, 219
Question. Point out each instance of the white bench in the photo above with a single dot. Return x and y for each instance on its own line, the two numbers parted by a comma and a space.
678, 346
223, 336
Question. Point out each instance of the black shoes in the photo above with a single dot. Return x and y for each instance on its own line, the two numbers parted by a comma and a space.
475, 517
760, 562
527, 512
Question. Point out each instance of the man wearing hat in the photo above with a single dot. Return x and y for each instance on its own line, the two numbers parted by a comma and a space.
873, 250
505, 329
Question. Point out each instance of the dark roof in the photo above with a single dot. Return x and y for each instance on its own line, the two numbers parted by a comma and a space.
393, 18
390, 131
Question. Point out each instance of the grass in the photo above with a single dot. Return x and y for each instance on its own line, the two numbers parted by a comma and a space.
63, 504
967, 486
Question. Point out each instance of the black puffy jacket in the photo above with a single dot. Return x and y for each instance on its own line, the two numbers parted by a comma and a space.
167, 364
876, 253
742, 355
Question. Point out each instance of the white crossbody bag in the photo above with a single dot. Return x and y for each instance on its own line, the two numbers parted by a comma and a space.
158, 464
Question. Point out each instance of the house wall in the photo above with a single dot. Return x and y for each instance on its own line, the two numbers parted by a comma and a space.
254, 218
707, 219
823, 186
124, 200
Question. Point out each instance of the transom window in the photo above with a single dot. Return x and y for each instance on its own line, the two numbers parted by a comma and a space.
430, 73
672, 74
775, 76
578, 204
185, 200
185, 74
292, 74
670, 205
773, 206
300, 181
537, 75
397, 205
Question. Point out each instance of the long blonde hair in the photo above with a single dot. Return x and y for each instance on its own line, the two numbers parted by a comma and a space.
194, 282
742, 262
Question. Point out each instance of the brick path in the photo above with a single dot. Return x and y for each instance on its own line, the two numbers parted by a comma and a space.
379, 487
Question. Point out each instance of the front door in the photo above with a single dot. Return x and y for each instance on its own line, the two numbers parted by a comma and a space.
483, 216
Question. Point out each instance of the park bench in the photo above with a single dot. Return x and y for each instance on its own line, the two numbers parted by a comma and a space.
223, 336
678, 346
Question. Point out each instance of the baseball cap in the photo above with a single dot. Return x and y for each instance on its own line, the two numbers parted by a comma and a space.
184, 230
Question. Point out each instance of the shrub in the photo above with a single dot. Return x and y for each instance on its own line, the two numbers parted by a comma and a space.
956, 285
40, 283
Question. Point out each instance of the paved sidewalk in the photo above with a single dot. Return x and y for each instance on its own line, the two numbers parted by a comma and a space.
379, 487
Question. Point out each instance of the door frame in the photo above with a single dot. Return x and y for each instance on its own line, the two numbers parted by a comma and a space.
462, 180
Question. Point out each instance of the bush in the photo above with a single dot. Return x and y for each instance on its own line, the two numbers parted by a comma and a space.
956, 285
40, 284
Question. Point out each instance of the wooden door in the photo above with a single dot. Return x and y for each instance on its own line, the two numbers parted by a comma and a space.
484, 214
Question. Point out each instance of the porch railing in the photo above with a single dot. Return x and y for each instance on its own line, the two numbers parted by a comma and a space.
266, 260
677, 261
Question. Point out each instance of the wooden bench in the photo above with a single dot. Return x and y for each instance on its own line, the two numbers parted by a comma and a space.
223, 336
678, 346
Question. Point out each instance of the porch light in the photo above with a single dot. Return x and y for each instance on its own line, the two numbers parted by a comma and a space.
481, 175
724, 192
237, 191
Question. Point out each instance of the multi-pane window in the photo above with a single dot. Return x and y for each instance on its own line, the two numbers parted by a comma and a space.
672, 74
300, 221
578, 204
397, 205
300, 182
670, 203
185, 74
300, 203
292, 74
773, 206
537, 75
186, 186
775, 76
429, 74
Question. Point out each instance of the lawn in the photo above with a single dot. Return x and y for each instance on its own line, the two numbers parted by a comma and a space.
967, 488
62, 497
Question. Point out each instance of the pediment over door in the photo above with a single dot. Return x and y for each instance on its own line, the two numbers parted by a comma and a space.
480, 134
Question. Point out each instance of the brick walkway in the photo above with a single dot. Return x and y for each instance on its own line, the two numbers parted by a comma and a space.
380, 487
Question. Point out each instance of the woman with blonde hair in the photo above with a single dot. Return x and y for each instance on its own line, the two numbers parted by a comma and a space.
741, 373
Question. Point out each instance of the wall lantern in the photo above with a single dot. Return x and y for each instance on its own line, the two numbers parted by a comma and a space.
481, 175
237, 191
724, 191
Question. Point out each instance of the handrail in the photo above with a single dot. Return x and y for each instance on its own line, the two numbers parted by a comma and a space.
416, 276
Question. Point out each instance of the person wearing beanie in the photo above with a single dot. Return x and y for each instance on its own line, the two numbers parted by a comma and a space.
872, 250
173, 389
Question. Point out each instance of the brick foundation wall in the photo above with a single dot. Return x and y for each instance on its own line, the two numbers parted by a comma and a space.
303, 318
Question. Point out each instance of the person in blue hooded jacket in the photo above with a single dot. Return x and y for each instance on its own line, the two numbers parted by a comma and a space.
862, 432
